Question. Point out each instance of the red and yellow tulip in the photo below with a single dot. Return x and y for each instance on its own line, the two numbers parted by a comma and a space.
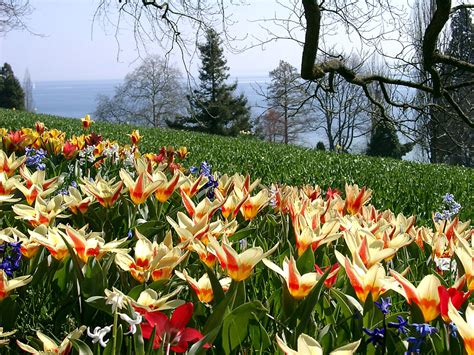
75, 201
204, 209
165, 188
91, 244
238, 266
105, 192
50, 346
150, 301
203, 287
9, 164
425, 296
6, 286
52, 239
465, 327
141, 188
38, 178
299, 286
150, 259
43, 213
364, 280
7, 184
356, 198
254, 204
86, 121
190, 185
135, 136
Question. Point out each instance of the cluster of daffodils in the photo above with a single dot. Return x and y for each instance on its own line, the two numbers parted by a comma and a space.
163, 236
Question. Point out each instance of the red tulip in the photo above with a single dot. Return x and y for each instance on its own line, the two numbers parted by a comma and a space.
453, 294
173, 331
332, 277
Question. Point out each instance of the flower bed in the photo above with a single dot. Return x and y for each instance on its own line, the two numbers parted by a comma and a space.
108, 250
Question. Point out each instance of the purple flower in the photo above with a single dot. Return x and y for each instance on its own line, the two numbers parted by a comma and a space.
34, 158
384, 305
452, 208
424, 329
448, 198
453, 329
414, 345
401, 326
211, 184
375, 336
11, 257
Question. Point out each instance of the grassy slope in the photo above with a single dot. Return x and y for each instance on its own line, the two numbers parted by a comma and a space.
407, 187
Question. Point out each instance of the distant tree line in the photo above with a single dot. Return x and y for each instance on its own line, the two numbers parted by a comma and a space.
348, 99
154, 95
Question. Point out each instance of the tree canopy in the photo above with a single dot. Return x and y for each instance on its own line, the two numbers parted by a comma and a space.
11, 92
214, 106
150, 95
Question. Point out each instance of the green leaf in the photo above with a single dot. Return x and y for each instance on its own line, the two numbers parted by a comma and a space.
215, 284
235, 326
347, 309
219, 311
305, 262
243, 233
81, 347
98, 302
151, 340
197, 347
62, 275
416, 314
305, 310
258, 335
94, 281
138, 342
110, 345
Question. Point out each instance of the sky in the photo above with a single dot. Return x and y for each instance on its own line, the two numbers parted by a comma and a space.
65, 44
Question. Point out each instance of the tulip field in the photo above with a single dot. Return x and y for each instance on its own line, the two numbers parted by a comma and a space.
118, 240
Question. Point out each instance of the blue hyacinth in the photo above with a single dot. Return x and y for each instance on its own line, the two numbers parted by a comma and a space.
34, 158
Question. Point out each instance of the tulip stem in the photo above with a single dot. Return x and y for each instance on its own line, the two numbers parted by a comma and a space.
115, 331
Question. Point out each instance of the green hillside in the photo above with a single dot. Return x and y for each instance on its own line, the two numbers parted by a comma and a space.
407, 187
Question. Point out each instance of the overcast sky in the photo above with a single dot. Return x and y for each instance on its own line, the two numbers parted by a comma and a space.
68, 49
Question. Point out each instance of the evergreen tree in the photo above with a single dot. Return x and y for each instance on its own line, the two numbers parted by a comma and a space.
384, 142
214, 106
11, 93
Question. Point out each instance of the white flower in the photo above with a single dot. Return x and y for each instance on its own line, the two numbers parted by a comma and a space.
115, 298
99, 334
131, 322
445, 263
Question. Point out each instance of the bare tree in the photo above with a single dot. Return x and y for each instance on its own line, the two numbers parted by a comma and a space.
374, 26
358, 15
28, 90
268, 126
287, 100
152, 94
343, 113
12, 14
